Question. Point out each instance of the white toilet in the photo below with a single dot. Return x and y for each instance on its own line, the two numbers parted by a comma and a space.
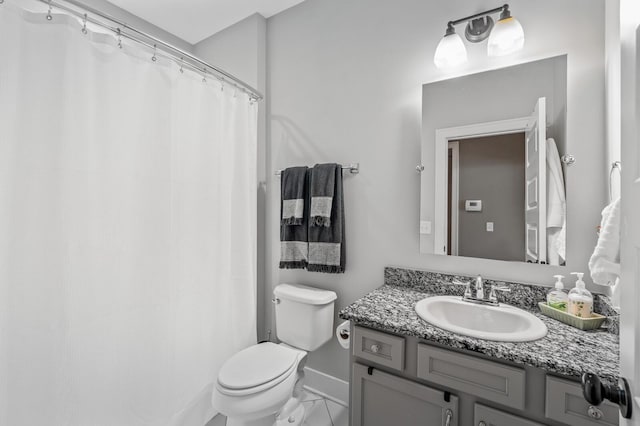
262, 385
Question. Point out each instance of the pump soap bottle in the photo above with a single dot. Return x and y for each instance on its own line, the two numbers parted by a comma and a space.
557, 298
580, 299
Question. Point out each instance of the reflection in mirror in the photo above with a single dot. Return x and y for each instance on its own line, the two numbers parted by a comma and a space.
500, 190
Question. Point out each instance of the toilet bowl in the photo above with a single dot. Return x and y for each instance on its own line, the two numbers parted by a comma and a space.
255, 384
262, 384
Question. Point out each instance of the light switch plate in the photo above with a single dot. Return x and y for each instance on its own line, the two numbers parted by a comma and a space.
489, 226
425, 227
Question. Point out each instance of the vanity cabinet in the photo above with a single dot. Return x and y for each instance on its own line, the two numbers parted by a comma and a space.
400, 380
382, 399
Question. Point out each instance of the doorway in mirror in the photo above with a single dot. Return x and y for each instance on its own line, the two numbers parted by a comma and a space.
486, 197
503, 191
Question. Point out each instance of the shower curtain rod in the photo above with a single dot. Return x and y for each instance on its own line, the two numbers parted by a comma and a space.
178, 55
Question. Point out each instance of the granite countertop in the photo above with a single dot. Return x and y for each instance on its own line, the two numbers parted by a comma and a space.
565, 350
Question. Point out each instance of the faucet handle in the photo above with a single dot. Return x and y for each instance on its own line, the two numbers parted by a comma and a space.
467, 291
501, 288
494, 288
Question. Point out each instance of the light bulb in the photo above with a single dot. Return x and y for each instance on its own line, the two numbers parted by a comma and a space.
506, 37
450, 51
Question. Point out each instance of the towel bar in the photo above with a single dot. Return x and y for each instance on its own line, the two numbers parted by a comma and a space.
354, 168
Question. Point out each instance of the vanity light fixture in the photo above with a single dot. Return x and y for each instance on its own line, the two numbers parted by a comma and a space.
505, 36
451, 51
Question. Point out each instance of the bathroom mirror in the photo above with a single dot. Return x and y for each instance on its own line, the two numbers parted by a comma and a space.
497, 139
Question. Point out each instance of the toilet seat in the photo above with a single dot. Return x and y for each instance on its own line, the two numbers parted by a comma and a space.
257, 368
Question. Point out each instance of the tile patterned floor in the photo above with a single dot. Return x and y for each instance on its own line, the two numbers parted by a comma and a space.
324, 412
319, 411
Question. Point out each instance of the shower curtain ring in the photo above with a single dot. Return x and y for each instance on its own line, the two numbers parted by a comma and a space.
119, 38
49, 16
153, 58
84, 24
181, 65
204, 75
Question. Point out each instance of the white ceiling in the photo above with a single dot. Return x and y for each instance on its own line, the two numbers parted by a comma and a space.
195, 20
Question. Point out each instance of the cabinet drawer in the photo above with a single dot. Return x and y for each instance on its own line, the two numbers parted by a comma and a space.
381, 348
488, 380
485, 416
565, 403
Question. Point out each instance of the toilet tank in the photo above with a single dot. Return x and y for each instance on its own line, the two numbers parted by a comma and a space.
304, 315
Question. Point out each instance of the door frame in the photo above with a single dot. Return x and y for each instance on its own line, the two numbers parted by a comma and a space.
443, 136
454, 146
630, 200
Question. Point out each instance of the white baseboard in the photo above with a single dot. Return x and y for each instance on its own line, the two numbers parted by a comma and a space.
337, 390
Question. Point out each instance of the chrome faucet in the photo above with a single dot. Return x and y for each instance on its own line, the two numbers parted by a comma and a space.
479, 292
479, 288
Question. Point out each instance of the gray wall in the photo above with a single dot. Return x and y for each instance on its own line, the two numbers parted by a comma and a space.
613, 89
492, 170
344, 84
239, 49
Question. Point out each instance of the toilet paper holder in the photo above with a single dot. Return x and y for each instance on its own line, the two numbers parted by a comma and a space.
343, 334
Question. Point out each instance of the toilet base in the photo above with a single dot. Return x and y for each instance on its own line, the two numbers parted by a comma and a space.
264, 421
295, 417
292, 414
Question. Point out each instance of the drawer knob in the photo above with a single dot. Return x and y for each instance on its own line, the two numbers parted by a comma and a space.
375, 349
594, 412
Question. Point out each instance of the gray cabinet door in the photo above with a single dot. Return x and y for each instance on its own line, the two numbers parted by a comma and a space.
566, 404
382, 399
485, 416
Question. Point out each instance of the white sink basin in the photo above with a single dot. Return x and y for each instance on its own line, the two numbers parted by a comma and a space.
503, 323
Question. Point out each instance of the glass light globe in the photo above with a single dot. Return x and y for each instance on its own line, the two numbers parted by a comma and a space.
450, 52
506, 37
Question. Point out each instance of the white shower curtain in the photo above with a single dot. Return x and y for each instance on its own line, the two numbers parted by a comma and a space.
127, 229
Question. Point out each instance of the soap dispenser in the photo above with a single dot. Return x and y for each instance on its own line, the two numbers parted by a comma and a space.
557, 298
580, 299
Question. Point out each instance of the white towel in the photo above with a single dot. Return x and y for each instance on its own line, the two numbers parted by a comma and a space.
556, 206
605, 260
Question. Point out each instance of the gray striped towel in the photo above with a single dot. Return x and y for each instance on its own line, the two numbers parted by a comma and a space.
323, 182
293, 191
294, 241
326, 228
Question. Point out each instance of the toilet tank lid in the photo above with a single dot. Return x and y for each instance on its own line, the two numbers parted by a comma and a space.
304, 294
